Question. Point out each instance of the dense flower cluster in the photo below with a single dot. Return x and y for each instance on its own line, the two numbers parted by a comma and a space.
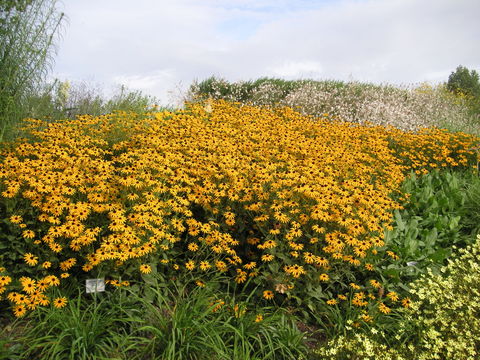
267, 195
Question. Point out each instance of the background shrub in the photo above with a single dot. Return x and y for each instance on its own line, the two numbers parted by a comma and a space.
407, 108
464, 81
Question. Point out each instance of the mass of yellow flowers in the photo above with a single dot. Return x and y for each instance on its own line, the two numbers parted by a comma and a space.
273, 196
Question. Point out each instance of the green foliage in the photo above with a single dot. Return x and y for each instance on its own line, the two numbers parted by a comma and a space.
66, 100
464, 81
17, 5
177, 322
441, 210
181, 322
28, 32
465, 84
443, 322
85, 329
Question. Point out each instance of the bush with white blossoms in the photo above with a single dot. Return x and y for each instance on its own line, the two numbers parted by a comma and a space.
407, 107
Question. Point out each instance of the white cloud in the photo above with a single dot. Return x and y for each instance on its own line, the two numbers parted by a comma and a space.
296, 69
148, 83
153, 45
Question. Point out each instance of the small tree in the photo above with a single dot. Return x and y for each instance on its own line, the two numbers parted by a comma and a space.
464, 81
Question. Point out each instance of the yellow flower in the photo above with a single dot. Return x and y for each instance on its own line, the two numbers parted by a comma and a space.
204, 265
332, 302
324, 277
268, 294
384, 309
5, 280
295, 270
192, 247
60, 302
145, 269
30, 259
28, 234
393, 296
16, 219
19, 310
190, 265
53, 280
259, 318
250, 265
267, 257
67, 264
241, 276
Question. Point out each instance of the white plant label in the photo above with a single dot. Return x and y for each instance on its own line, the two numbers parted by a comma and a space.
95, 285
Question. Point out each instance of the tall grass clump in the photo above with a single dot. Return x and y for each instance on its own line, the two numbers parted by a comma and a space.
200, 322
28, 32
82, 329
404, 107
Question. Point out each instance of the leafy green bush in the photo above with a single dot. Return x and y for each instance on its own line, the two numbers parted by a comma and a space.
163, 320
464, 81
86, 328
441, 209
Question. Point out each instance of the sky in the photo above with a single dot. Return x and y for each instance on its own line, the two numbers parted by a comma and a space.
161, 46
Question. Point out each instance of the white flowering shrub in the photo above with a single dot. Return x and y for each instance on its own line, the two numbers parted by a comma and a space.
404, 107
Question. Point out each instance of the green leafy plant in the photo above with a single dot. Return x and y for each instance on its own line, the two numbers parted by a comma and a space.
441, 210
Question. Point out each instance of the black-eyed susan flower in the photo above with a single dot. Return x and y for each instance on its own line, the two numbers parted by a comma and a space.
5, 280
60, 302
16, 219
268, 294
375, 284
323, 277
384, 309
28, 234
145, 269
392, 295
19, 310
406, 302
30, 259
